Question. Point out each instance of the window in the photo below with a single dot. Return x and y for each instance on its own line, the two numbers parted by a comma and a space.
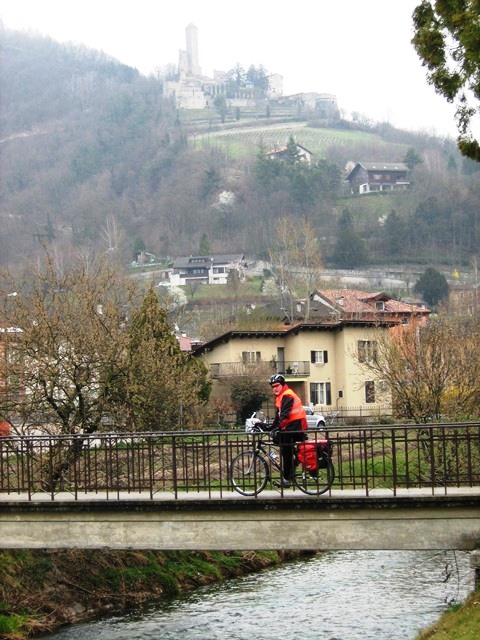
370, 391
321, 393
367, 350
219, 270
380, 305
250, 357
319, 357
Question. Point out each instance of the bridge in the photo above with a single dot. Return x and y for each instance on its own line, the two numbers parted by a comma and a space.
396, 487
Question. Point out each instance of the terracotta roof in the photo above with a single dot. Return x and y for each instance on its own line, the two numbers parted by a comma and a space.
353, 301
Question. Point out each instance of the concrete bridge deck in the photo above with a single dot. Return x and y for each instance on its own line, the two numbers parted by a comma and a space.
413, 519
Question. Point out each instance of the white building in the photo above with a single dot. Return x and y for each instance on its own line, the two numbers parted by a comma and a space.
207, 269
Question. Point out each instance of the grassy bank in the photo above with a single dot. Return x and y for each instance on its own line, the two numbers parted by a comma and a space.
461, 622
42, 590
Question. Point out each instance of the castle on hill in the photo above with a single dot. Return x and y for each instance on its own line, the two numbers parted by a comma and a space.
192, 90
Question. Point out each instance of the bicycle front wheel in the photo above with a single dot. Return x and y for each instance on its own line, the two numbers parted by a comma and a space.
249, 473
315, 482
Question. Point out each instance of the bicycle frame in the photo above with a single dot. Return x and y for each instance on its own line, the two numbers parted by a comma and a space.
250, 471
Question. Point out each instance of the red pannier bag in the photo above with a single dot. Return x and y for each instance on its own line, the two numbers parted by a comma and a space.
307, 455
310, 456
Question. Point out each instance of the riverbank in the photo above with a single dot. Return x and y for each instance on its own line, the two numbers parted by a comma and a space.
43, 590
461, 622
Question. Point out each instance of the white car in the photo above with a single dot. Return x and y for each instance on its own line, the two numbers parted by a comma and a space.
315, 420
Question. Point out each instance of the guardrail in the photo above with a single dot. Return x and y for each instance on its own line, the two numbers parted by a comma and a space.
439, 456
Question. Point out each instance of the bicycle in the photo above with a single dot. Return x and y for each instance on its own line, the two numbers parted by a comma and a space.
251, 471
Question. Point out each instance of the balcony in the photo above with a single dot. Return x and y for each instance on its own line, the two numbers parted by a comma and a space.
291, 369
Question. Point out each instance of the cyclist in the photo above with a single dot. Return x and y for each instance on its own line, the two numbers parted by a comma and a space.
290, 422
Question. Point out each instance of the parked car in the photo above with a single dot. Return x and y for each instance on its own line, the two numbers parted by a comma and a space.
315, 420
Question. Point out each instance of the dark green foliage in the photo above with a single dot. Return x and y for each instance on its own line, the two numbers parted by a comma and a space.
292, 153
258, 76
433, 286
446, 38
211, 183
302, 183
220, 105
412, 158
350, 250
345, 220
247, 396
396, 234
204, 249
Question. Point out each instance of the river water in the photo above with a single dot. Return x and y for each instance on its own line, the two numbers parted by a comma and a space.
348, 595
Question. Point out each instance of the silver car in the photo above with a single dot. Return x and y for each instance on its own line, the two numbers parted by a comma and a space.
315, 420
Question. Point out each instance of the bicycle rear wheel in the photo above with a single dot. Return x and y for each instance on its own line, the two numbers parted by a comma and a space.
249, 473
316, 482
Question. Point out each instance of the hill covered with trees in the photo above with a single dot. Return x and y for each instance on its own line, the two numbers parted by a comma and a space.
93, 156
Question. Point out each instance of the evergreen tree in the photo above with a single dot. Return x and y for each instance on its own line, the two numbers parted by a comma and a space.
292, 154
266, 170
350, 250
395, 235
165, 389
211, 182
248, 394
205, 248
433, 286
345, 221
412, 158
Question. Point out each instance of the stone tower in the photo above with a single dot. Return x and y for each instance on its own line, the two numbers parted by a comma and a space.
193, 68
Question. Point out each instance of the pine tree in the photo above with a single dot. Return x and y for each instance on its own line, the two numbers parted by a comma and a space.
433, 285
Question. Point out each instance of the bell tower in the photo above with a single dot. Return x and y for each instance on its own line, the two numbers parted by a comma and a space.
193, 68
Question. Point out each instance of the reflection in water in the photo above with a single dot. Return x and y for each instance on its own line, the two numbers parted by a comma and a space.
351, 595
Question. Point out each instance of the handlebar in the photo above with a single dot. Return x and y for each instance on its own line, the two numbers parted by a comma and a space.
258, 427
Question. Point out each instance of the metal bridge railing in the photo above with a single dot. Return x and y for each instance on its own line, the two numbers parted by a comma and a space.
434, 457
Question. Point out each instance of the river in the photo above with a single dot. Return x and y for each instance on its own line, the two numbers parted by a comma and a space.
348, 595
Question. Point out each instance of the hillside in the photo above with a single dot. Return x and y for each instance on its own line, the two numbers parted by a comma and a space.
244, 141
94, 157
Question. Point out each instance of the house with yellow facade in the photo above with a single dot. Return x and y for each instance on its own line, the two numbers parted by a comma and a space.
324, 363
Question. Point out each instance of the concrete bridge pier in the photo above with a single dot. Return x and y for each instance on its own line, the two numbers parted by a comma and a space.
475, 564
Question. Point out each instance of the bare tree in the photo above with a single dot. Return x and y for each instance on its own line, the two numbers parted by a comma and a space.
431, 371
296, 261
112, 234
66, 344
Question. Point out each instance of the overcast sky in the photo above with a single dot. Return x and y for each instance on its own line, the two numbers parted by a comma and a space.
359, 51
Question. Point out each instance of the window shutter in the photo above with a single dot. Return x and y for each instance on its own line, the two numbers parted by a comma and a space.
259, 356
312, 357
325, 357
244, 357
328, 393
